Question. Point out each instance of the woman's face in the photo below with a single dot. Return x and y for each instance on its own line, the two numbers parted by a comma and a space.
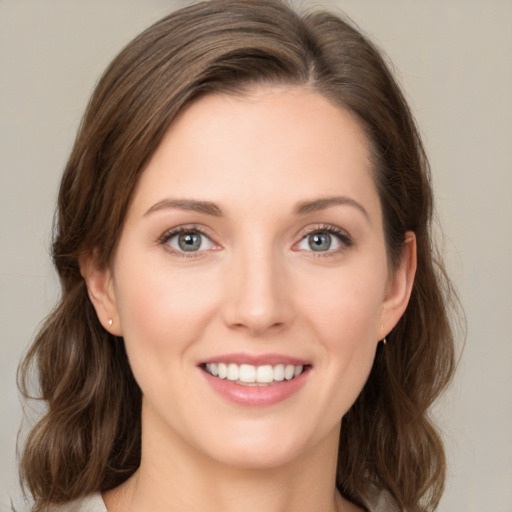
250, 281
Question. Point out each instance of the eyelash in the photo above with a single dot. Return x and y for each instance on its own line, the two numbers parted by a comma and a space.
181, 230
346, 241
343, 237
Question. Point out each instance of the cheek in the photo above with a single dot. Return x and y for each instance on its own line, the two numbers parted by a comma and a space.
162, 311
346, 319
163, 314
346, 304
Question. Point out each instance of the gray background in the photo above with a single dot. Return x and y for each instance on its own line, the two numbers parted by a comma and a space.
454, 59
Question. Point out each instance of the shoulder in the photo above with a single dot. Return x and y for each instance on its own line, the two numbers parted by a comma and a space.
380, 500
91, 503
385, 504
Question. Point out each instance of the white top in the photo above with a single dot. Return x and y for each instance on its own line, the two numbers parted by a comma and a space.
91, 503
95, 503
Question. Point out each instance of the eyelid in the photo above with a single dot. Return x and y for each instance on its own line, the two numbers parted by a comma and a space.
344, 238
182, 229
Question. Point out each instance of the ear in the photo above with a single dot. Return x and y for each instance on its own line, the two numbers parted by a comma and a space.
399, 287
100, 288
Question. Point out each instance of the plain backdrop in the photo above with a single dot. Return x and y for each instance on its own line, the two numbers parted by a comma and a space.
454, 60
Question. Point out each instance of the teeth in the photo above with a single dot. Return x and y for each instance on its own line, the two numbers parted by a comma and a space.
249, 374
289, 371
232, 372
279, 372
265, 374
214, 369
223, 371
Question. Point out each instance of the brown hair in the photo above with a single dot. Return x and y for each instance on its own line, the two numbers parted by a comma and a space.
89, 438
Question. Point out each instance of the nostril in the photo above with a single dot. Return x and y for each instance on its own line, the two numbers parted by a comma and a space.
258, 327
256, 303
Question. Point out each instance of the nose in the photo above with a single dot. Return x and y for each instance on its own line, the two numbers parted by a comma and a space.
258, 293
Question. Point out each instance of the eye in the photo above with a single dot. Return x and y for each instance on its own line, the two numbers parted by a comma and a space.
326, 239
188, 240
319, 242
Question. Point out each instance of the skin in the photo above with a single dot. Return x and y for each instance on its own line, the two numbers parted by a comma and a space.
255, 287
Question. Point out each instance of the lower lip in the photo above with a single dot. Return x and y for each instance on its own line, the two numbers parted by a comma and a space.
254, 395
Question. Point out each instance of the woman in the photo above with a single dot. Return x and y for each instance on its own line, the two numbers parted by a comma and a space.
251, 311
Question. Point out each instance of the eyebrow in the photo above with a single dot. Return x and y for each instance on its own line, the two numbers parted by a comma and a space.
302, 208
206, 207
316, 205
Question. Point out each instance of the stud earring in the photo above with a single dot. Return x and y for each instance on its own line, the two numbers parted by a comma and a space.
110, 322
384, 342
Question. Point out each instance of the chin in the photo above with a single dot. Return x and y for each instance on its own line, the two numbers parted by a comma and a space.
252, 456
269, 446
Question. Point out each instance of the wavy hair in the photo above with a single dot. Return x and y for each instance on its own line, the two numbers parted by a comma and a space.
88, 440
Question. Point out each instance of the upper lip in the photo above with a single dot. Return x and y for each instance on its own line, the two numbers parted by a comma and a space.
256, 360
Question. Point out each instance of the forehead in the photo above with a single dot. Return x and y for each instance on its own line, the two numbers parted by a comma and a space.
272, 142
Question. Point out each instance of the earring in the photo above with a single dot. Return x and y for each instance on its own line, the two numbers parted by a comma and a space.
110, 322
383, 339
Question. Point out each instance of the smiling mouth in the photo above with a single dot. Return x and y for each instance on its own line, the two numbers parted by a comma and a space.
250, 375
